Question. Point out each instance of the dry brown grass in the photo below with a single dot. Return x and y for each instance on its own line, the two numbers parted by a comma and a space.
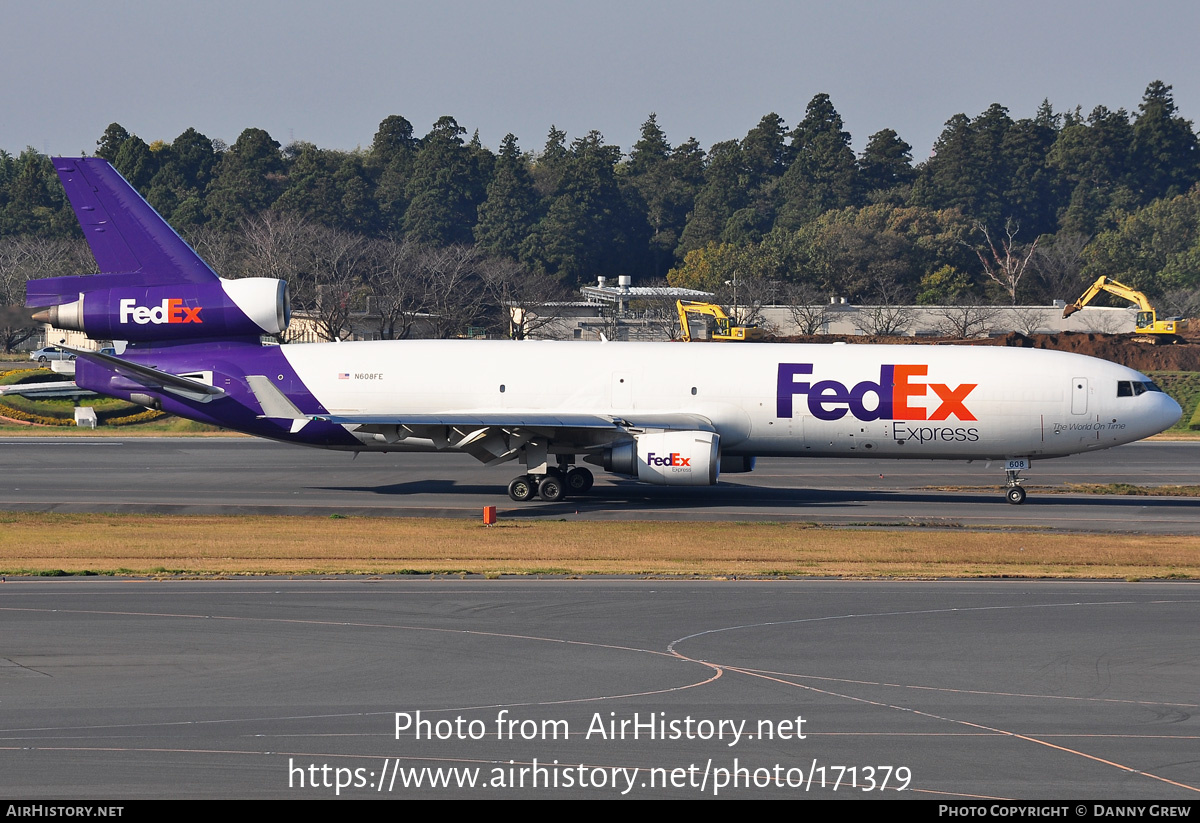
105, 544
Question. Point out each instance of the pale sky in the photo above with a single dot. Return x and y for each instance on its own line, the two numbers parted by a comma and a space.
329, 73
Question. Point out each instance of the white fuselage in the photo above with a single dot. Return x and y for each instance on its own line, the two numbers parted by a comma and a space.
948, 402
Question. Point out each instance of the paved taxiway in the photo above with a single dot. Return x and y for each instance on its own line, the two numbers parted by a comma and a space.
1035, 689
238, 475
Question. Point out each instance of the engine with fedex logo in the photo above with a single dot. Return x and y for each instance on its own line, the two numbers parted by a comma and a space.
677, 458
187, 311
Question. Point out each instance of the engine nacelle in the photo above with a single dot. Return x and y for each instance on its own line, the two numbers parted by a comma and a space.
226, 308
687, 458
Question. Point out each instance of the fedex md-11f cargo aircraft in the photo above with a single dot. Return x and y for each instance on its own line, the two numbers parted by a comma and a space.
665, 413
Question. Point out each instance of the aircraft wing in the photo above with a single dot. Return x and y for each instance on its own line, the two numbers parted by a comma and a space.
518, 419
494, 437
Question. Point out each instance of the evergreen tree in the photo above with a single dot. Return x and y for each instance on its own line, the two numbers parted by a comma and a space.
665, 187
763, 151
136, 162
722, 194
248, 179
1164, 149
393, 152
311, 192
359, 209
509, 213
823, 174
548, 171
886, 162
111, 141
586, 229
1093, 159
1033, 193
443, 192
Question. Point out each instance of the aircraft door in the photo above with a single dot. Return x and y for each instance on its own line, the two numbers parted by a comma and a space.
1079, 395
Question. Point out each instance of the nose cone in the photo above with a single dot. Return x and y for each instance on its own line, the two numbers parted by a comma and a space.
1166, 412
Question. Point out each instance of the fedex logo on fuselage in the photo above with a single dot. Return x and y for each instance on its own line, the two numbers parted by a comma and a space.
170, 311
672, 459
898, 385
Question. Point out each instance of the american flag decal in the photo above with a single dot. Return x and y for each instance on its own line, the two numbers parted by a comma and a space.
343, 375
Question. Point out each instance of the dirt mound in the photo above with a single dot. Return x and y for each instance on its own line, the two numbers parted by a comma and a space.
1125, 349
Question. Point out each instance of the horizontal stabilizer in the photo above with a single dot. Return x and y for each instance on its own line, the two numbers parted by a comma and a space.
46, 390
151, 377
124, 232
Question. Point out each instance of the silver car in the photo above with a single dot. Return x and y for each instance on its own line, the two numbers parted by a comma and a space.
50, 353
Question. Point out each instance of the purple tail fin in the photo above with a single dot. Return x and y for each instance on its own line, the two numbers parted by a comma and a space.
126, 235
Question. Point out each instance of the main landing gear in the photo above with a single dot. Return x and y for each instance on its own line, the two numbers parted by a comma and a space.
552, 486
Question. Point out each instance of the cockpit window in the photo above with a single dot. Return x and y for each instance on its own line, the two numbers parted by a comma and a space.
1132, 388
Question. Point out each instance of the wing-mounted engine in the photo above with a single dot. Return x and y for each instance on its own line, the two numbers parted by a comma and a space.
184, 311
675, 458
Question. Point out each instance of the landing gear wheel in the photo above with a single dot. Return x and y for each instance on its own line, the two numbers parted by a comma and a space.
521, 488
1015, 495
579, 480
552, 488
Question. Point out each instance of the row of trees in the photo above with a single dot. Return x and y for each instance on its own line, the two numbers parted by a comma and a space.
1003, 211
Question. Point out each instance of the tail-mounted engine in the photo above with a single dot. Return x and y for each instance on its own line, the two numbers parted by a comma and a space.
185, 311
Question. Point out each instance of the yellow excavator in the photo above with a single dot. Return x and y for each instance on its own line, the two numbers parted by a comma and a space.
725, 330
1147, 320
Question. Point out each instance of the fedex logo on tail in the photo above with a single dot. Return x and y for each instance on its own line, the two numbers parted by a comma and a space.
169, 311
898, 386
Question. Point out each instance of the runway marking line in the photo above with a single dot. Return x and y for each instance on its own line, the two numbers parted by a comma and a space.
717, 671
1002, 732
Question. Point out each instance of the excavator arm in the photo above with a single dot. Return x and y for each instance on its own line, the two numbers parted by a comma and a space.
1112, 287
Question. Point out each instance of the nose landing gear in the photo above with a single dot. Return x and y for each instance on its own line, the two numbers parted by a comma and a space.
1015, 494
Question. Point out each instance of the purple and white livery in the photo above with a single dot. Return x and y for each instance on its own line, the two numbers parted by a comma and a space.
665, 413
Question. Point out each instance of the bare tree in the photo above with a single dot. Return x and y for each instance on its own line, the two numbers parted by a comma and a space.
1026, 319
659, 312
882, 320
968, 318
808, 307
337, 263
745, 295
222, 250
891, 314
28, 258
397, 290
1058, 265
453, 290
1104, 321
1181, 302
1005, 265
525, 300
273, 245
